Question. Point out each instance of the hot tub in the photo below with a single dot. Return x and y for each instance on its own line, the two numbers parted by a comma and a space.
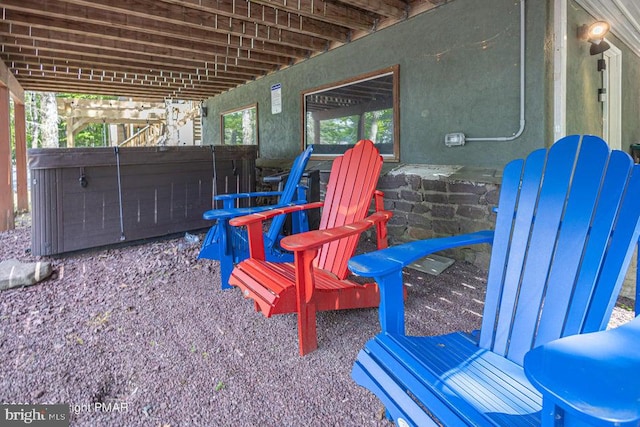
88, 197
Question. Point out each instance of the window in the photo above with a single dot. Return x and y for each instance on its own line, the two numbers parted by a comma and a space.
240, 126
366, 107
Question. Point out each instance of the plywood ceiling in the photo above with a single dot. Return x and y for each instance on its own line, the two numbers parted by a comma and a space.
180, 49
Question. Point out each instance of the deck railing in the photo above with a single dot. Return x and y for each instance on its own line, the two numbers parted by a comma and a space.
149, 135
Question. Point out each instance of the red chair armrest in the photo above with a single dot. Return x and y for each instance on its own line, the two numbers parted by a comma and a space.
317, 238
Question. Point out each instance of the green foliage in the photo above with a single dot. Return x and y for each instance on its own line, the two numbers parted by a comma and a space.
94, 135
32, 118
343, 130
377, 126
12, 138
240, 127
91, 136
382, 122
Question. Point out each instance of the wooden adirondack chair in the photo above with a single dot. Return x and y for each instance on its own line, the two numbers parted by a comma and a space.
565, 231
317, 280
229, 245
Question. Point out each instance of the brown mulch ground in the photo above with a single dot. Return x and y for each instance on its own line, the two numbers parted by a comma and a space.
147, 327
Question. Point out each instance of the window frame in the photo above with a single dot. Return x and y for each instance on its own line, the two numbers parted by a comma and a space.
395, 72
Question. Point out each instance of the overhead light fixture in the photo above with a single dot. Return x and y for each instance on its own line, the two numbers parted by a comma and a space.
595, 34
598, 47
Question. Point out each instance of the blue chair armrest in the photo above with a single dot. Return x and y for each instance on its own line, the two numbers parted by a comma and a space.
593, 377
386, 261
247, 195
218, 214
276, 178
386, 267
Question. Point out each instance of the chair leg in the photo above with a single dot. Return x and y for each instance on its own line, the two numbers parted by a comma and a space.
226, 267
307, 333
225, 254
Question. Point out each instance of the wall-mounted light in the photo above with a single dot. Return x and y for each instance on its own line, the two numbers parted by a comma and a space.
595, 34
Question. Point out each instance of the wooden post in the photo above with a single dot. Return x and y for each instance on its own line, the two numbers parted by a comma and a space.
6, 191
21, 156
70, 128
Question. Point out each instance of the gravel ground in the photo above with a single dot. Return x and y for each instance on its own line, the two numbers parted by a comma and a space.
142, 335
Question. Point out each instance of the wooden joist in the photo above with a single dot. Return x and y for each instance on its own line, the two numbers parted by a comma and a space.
224, 43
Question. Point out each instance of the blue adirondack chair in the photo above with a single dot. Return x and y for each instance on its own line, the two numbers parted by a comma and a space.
566, 226
228, 245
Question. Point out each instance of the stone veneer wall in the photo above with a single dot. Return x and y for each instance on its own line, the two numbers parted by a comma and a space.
435, 201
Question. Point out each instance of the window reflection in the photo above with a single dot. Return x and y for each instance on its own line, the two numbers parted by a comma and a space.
337, 117
240, 127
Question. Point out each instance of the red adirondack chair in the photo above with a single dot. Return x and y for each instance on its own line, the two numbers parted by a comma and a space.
317, 279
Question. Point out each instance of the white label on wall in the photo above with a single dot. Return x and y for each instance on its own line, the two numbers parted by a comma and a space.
276, 98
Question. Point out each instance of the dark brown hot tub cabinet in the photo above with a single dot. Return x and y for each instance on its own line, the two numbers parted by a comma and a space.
88, 197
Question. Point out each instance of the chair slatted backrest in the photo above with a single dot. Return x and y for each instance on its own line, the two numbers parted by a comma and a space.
289, 191
566, 228
350, 189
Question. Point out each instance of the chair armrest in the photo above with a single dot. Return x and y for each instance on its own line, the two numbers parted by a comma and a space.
593, 377
247, 195
262, 216
317, 238
386, 261
218, 214
276, 178
386, 265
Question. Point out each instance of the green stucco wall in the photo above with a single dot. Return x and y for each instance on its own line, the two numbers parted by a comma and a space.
459, 72
584, 112
630, 96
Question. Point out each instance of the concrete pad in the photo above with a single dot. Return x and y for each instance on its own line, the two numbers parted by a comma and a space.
432, 264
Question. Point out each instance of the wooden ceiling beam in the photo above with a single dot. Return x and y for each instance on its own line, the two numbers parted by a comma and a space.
44, 86
106, 48
72, 67
129, 91
388, 8
141, 31
146, 44
269, 16
155, 15
332, 12
112, 64
132, 79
